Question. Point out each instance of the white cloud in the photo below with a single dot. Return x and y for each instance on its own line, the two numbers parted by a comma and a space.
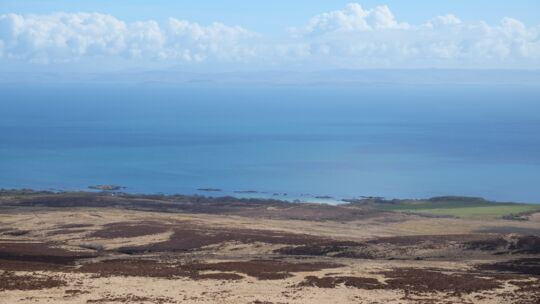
66, 37
441, 21
352, 18
356, 38
353, 37
382, 18
216, 40
61, 37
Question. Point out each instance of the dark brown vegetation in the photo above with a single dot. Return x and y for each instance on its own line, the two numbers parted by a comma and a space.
527, 266
190, 236
453, 247
151, 268
69, 226
528, 291
38, 253
346, 249
16, 232
65, 231
525, 244
509, 229
411, 280
131, 298
260, 269
11, 281
74, 292
126, 230
416, 280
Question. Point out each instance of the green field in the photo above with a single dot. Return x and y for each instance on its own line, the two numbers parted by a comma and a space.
462, 208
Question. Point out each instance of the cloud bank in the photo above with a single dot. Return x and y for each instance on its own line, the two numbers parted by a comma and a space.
63, 37
353, 37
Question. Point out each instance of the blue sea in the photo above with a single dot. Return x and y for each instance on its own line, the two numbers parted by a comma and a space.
394, 141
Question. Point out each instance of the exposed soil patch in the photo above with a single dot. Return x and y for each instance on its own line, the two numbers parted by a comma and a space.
266, 269
127, 230
130, 298
349, 281
529, 266
11, 281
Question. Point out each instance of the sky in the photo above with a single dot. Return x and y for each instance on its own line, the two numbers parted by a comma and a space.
90, 35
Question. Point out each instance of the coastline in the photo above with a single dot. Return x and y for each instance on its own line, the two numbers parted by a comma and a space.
212, 202
290, 197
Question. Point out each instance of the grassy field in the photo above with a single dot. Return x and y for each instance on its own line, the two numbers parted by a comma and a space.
463, 209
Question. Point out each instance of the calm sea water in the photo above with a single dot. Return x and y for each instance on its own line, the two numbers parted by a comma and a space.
392, 141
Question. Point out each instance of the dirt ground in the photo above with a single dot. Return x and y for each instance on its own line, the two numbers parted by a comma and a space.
101, 254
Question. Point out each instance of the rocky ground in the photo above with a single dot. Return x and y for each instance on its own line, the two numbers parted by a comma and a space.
111, 248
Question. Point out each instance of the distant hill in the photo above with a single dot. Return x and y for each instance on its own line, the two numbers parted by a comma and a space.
284, 77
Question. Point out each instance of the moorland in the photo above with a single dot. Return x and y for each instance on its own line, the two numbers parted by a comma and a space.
113, 247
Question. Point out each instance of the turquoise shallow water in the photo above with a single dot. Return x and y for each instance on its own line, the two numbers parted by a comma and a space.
392, 141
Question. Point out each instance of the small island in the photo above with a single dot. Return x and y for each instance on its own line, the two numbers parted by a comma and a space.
106, 187
246, 191
209, 189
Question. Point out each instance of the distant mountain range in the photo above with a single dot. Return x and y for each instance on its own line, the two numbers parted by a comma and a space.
324, 77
